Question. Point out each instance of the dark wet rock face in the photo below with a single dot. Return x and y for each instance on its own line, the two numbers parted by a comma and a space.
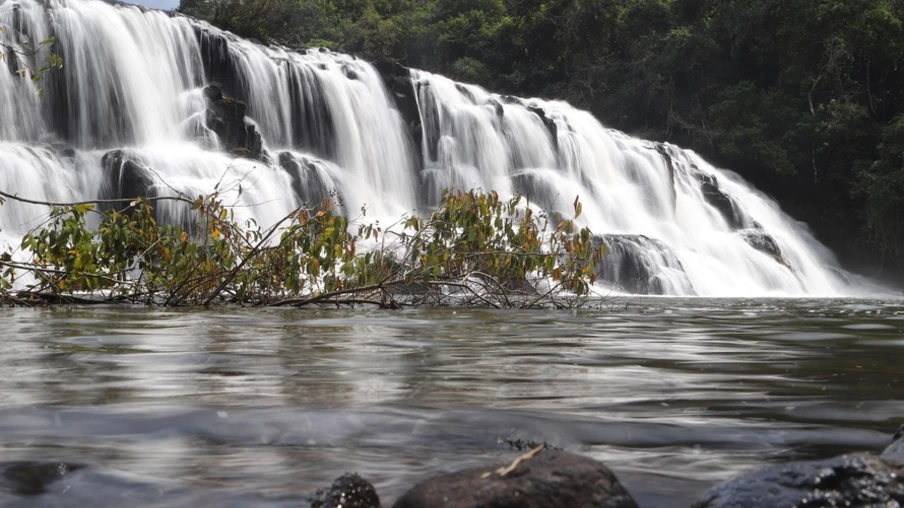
397, 79
214, 49
665, 151
226, 117
550, 124
895, 452
308, 179
349, 491
637, 264
429, 112
850, 480
548, 480
32, 478
124, 178
714, 195
12, 61
718, 199
313, 125
764, 243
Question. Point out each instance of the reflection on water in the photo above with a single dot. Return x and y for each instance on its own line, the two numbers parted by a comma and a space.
251, 407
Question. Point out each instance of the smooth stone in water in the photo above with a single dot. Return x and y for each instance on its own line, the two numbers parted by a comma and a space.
550, 479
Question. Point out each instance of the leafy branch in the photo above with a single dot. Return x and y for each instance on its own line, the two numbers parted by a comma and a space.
475, 249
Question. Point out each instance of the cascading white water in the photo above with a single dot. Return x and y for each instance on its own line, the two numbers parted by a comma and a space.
648, 199
131, 111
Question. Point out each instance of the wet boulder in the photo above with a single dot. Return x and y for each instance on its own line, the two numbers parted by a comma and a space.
226, 118
716, 197
539, 479
350, 73
310, 181
641, 265
124, 178
349, 491
764, 243
859, 479
848, 480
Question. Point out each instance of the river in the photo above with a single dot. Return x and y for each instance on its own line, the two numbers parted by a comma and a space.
257, 407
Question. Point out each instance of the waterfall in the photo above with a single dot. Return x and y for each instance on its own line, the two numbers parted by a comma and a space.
153, 103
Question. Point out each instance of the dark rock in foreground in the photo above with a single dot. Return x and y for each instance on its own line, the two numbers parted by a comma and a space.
349, 491
895, 452
862, 480
551, 478
849, 480
32, 478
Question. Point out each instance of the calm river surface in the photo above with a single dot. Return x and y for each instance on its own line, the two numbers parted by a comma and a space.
252, 407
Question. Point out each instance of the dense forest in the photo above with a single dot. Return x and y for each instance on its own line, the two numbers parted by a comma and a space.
804, 98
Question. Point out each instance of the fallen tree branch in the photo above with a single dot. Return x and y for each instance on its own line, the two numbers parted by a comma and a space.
254, 252
14, 197
503, 471
301, 302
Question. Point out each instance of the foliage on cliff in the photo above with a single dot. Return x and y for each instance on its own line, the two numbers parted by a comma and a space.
475, 249
803, 97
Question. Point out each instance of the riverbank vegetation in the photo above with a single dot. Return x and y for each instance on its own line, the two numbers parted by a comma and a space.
475, 249
802, 97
